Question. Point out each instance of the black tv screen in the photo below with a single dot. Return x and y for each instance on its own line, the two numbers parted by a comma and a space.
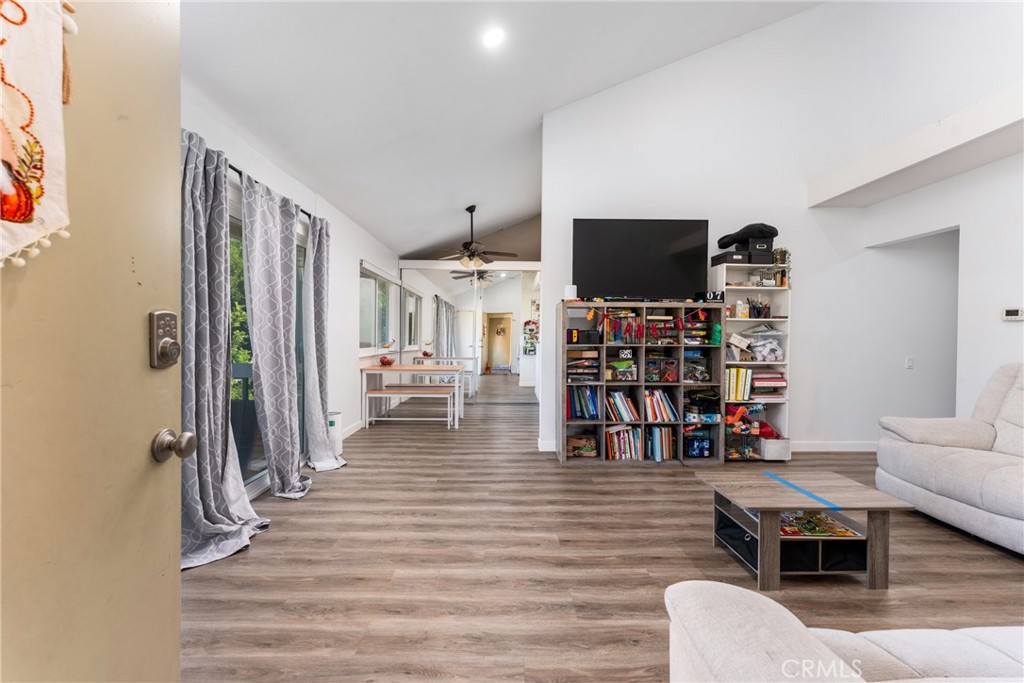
657, 259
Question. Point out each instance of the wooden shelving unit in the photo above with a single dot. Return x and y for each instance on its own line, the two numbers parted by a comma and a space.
737, 281
617, 335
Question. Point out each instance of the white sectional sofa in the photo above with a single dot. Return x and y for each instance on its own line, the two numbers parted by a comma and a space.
968, 472
721, 632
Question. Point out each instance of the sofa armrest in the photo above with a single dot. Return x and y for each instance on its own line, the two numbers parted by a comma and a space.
955, 432
721, 632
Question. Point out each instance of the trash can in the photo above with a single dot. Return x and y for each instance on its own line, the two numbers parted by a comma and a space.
334, 431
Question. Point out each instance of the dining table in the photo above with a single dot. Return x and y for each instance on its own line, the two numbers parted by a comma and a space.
423, 370
470, 372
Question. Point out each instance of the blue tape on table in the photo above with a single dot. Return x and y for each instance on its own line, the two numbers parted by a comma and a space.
824, 501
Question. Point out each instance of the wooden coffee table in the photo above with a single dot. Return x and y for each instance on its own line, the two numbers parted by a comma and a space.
747, 509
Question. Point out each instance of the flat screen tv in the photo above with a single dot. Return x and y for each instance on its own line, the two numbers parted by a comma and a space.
637, 259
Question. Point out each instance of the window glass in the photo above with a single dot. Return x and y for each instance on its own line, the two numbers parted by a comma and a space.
413, 306
374, 311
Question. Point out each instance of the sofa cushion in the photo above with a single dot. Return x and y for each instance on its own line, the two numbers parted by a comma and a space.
1010, 422
1007, 639
957, 432
740, 635
870, 661
939, 653
968, 476
1002, 492
992, 397
916, 463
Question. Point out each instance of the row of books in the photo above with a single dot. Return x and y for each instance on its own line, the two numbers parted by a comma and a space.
621, 407
623, 442
581, 403
660, 444
747, 384
658, 407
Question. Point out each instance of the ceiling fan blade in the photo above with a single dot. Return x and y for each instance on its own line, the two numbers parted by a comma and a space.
462, 276
483, 257
506, 254
450, 256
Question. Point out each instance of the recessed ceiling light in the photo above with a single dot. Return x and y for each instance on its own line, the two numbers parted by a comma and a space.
501, 274
493, 37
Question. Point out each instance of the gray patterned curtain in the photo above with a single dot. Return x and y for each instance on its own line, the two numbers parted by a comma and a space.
268, 241
216, 517
444, 328
319, 453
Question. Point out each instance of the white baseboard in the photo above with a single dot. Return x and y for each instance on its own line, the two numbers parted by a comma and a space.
833, 446
526, 382
546, 446
351, 429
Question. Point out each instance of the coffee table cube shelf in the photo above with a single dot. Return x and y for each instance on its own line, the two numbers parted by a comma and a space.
737, 532
759, 544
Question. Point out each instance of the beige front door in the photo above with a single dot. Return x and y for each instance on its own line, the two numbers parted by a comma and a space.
89, 540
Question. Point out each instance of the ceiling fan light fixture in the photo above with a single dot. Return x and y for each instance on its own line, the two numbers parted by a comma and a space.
477, 262
465, 262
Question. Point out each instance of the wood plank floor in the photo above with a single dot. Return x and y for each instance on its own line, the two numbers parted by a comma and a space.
467, 555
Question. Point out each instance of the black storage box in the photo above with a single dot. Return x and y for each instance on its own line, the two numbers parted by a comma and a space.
756, 257
729, 257
756, 244
590, 337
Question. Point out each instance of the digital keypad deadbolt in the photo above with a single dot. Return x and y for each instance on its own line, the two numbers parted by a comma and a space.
164, 349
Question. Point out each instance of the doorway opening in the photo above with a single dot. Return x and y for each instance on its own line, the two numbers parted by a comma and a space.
498, 351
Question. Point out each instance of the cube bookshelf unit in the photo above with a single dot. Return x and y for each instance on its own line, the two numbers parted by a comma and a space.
759, 375
637, 382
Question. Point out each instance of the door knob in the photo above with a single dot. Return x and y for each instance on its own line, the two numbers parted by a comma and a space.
166, 443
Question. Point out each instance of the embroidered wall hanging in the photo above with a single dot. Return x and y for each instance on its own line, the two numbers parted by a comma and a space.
33, 191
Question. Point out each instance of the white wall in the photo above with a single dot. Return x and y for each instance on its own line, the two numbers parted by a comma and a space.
527, 364
734, 134
349, 244
986, 206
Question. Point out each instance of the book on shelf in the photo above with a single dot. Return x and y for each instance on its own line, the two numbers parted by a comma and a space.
658, 406
621, 407
660, 444
745, 384
622, 326
623, 442
581, 403
581, 353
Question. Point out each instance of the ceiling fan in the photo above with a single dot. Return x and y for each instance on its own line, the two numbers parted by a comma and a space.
476, 277
472, 253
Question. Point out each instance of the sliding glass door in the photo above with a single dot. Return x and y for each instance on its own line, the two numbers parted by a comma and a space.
248, 441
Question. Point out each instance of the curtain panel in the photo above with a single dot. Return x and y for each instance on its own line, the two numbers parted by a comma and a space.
268, 241
444, 328
217, 519
320, 454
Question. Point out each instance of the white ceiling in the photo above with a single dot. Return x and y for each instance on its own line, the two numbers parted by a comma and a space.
396, 114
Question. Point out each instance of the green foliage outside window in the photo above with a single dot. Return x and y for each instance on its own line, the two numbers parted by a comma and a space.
241, 347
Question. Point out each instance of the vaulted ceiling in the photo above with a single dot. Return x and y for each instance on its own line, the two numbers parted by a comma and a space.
397, 114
